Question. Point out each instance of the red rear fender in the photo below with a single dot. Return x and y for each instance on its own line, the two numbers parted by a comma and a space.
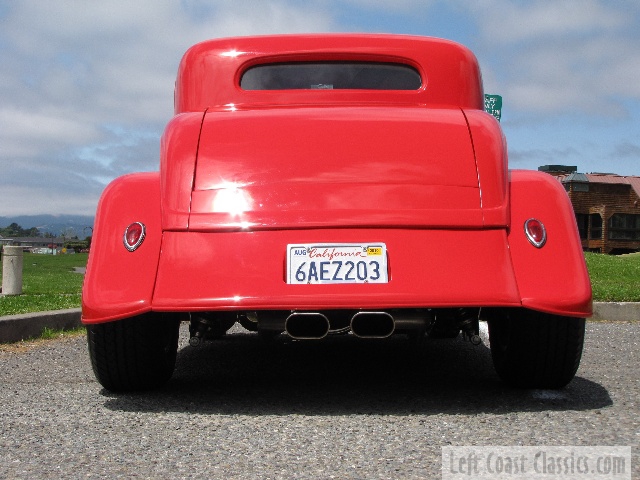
119, 283
553, 278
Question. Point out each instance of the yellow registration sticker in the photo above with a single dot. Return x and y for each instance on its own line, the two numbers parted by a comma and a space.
374, 251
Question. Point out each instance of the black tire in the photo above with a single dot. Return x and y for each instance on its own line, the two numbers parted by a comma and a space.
136, 353
532, 349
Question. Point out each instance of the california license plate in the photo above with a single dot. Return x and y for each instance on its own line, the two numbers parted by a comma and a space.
337, 263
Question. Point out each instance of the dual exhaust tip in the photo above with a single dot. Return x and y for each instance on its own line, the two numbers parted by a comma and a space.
315, 326
307, 326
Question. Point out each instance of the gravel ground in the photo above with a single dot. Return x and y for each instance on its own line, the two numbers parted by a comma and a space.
340, 408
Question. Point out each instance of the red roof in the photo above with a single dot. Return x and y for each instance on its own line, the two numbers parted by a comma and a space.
604, 178
608, 178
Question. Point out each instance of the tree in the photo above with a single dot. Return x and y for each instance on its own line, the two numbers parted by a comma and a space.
68, 233
15, 230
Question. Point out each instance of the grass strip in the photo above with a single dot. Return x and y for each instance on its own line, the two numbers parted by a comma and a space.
614, 278
49, 282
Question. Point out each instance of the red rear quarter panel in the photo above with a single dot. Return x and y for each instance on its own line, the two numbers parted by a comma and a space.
490, 149
178, 151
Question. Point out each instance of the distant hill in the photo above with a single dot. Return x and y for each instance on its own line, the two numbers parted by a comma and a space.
75, 225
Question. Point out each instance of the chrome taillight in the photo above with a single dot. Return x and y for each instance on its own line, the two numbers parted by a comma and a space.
134, 236
535, 231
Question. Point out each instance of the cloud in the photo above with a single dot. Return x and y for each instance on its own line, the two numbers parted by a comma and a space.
544, 156
626, 150
395, 7
25, 133
569, 55
505, 21
86, 88
47, 200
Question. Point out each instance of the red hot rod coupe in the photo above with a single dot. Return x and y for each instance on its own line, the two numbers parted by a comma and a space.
316, 184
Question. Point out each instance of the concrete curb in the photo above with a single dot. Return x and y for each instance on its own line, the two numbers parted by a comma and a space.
14, 328
616, 311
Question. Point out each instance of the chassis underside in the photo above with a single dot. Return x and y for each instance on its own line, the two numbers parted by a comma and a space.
316, 325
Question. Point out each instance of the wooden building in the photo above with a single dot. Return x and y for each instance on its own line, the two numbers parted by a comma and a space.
607, 208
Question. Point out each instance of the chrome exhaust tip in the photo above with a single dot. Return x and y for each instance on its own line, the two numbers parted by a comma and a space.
307, 326
372, 325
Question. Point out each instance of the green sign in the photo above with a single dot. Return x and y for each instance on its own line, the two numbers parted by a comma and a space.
493, 105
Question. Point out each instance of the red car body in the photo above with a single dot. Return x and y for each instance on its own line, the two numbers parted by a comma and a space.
246, 171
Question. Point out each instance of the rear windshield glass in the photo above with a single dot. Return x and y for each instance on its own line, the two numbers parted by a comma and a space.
331, 76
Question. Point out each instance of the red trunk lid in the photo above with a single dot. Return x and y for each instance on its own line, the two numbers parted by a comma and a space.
335, 166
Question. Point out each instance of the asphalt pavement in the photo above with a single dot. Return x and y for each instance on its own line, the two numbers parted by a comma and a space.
342, 408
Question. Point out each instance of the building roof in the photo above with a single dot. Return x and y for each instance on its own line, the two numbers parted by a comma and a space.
558, 169
574, 177
603, 178
54, 240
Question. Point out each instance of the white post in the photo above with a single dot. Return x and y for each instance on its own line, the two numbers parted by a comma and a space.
12, 270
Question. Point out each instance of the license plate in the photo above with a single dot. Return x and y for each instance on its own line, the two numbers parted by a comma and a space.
337, 263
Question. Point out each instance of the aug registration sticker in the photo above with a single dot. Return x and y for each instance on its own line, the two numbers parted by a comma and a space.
337, 263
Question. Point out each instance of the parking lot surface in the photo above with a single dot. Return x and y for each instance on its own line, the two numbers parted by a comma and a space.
338, 408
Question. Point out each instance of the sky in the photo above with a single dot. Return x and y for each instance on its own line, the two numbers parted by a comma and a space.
86, 87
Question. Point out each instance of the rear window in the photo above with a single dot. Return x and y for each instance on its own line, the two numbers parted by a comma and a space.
331, 76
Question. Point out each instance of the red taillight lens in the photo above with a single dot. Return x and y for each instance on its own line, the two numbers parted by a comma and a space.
134, 236
535, 231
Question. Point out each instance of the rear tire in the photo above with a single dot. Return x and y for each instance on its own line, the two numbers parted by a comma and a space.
136, 353
532, 349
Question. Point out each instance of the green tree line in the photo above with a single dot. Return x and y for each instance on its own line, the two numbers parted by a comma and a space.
15, 230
